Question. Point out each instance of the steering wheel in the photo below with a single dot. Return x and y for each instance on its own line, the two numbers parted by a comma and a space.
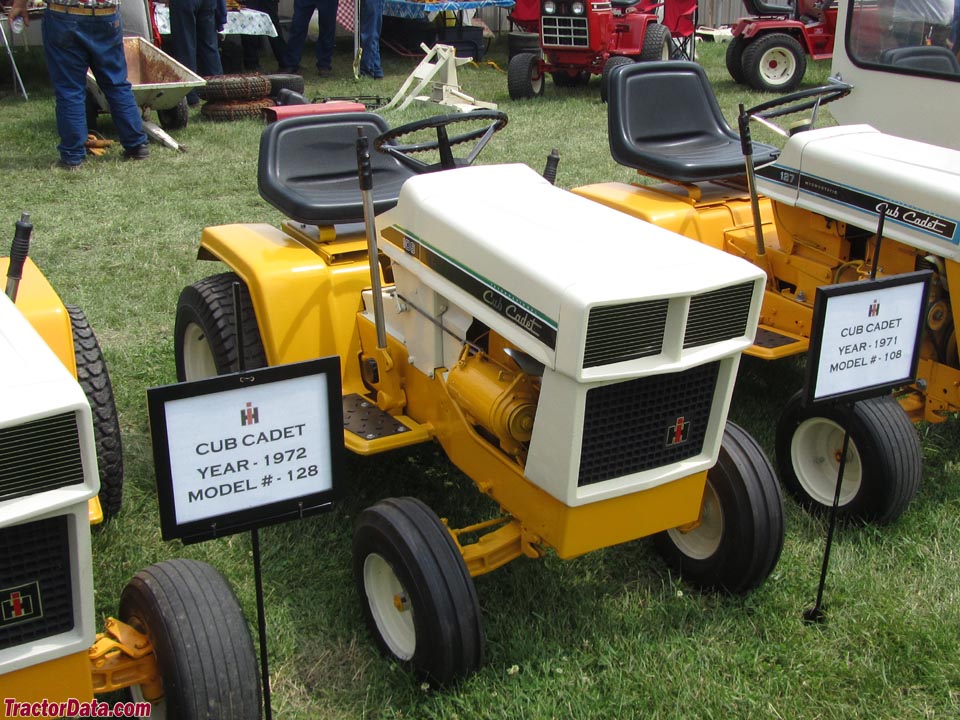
386, 142
799, 101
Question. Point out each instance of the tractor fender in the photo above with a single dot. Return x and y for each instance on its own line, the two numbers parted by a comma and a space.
305, 307
40, 304
751, 30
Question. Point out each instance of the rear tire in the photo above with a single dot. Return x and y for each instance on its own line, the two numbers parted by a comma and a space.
205, 336
734, 59
613, 62
656, 43
95, 381
200, 638
884, 464
774, 63
524, 80
418, 598
738, 541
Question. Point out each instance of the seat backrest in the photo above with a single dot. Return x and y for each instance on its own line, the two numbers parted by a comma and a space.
307, 168
930, 58
664, 120
762, 8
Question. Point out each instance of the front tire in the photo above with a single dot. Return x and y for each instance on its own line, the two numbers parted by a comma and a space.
774, 63
418, 598
740, 535
524, 79
175, 118
95, 381
200, 638
205, 336
656, 43
883, 467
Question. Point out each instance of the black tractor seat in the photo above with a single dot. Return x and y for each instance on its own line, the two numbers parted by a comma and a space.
307, 168
928, 58
664, 120
626, 4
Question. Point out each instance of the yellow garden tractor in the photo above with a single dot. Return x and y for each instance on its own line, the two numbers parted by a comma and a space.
813, 223
576, 364
57, 420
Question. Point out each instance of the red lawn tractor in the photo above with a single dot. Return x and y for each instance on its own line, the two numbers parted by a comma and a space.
769, 50
579, 39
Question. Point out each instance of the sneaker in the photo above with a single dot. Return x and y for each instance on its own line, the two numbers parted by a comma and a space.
140, 152
64, 165
324, 72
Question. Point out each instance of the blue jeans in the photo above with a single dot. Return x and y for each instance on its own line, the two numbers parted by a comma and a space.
193, 38
327, 21
371, 22
71, 44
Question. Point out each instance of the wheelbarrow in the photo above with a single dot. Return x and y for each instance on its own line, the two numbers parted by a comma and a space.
159, 83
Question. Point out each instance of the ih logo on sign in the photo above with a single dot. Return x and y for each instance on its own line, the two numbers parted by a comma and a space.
678, 432
250, 415
20, 603
874, 309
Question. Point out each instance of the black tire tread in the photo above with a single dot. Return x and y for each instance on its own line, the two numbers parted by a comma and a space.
175, 118
285, 81
654, 39
229, 110
209, 303
519, 74
734, 59
95, 381
200, 637
243, 86
612, 62
451, 620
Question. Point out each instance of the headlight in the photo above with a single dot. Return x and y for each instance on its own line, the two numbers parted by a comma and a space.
577, 8
549, 7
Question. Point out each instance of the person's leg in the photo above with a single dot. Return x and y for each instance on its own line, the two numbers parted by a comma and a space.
104, 38
277, 44
302, 12
371, 23
327, 21
67, 65
183, 37
208, 49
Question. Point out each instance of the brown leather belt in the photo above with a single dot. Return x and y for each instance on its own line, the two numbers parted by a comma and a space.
77, 10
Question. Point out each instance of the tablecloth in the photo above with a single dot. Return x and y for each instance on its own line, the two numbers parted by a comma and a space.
418, 10
239, 22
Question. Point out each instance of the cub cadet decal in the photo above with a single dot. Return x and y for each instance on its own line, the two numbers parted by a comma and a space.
901, 214
492, 295
21, 603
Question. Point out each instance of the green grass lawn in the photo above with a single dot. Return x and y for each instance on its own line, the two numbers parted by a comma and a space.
609, 635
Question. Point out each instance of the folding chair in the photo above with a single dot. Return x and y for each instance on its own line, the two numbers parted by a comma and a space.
680, 18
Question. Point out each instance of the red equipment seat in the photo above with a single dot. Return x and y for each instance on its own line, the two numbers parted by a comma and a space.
664, 120
307, 168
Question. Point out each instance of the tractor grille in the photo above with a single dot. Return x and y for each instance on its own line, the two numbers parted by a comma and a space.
616, 333
718, 315
40, 455
564, 31
645, 423
35, 586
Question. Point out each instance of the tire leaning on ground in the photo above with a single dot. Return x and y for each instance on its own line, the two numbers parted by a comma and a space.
883, 466
205, 334
285, 81
418, 598
740, 534
95, 381
774, 63
523, 81
227, 110
235, 87
201, 641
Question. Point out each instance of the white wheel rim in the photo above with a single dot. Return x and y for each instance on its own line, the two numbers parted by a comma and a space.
536, 83
665, 51
158, 708
198, 362
390, 606
815, 453
777, 66
702, 541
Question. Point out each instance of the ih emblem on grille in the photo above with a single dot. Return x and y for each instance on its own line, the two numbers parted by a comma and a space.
678, 432
20, 603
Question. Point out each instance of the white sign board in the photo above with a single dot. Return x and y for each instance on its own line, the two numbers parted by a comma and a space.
248, 449
865, 337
